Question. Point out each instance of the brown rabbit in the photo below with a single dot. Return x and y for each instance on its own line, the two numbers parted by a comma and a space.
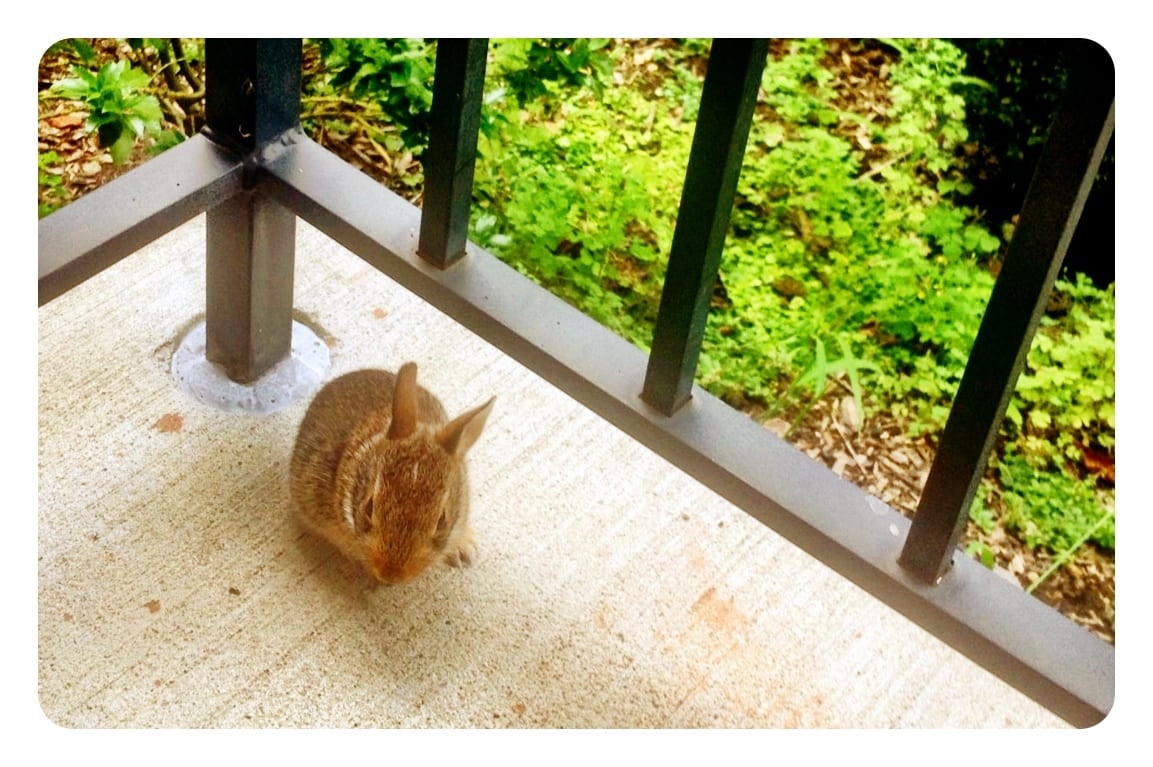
378, 471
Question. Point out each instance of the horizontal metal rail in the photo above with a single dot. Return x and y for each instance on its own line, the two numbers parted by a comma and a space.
277, 172
94, 232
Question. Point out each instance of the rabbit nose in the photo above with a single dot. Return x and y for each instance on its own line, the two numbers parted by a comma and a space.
393, 572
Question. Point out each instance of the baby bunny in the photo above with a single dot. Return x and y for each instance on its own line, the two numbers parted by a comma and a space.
378, 471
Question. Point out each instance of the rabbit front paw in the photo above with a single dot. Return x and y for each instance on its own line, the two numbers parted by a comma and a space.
461, 551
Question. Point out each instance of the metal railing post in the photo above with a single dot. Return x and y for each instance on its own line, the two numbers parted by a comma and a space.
718, 149
458, 89
252, 97
1057, 193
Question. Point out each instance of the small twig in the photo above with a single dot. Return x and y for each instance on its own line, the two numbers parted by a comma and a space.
168, 69
896, 471
379, 149
314, 110
840, 382
336, 100
186, 69
48, 95
878, 169
188, 98
848, 446
174, 110
371, 163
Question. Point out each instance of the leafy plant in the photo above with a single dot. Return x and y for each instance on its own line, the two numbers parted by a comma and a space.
1050, 509
82, 48
1058, 437
120, 112
855, 212
395, 73
980, 551
531, 69
1063, 406
928, 91
176, 67
823, 368
581, 205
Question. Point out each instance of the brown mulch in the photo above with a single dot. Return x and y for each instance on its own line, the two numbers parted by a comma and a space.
879, 456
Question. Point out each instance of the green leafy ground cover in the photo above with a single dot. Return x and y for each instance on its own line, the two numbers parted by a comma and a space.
854, 263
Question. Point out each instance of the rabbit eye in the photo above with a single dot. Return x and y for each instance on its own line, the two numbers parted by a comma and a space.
364, 516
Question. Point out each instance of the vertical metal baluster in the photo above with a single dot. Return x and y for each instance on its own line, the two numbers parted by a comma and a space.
722, 129
457, 93
252, 96
1049, 215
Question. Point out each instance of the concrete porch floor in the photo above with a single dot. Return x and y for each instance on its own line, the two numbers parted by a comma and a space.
610, 591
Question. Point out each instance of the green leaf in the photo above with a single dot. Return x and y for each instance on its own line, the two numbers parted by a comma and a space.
121, 148
1013, 413
85, 51
818, 373
1040, 418
74, 87
982, 553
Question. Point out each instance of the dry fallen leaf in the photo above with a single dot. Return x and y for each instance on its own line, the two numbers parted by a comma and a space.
849, 415
1099, 462
778, 426
73, 120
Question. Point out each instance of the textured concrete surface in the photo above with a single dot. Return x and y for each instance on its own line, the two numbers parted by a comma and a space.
610, 591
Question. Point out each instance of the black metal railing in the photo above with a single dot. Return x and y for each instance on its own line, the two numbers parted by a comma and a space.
253, 171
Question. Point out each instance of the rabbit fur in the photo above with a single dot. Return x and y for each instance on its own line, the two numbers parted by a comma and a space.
378, 471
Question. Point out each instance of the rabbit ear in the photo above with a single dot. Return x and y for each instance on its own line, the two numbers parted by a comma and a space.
458, 435
404, 403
